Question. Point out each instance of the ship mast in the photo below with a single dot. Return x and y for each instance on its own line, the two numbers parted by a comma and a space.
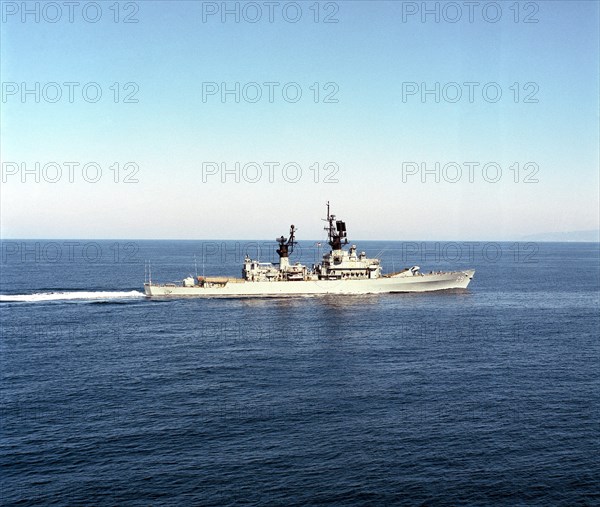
336, 234
286, 246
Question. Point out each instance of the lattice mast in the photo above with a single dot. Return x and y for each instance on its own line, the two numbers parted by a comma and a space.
336, 231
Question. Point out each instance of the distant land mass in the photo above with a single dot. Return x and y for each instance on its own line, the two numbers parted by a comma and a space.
574, 236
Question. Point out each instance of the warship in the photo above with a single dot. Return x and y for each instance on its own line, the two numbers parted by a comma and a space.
340, 272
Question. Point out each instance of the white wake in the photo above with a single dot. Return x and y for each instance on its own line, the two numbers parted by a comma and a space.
58, 296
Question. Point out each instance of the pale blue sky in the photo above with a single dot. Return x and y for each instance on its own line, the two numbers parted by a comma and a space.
368, 133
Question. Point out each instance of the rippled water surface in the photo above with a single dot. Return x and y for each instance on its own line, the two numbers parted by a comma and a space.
489, 395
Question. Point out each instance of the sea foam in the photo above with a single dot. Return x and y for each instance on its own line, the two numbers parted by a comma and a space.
58, 296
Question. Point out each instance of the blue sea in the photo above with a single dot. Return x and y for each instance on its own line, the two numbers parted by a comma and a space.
485, 396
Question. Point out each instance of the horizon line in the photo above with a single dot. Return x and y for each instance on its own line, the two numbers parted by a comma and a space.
303, 240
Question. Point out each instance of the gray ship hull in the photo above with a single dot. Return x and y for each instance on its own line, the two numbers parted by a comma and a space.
417, 283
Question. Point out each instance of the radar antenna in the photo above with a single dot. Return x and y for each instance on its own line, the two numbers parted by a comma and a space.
286, 246
336, 231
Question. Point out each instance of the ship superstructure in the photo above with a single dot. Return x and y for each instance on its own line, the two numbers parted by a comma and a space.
340, 272
339, 264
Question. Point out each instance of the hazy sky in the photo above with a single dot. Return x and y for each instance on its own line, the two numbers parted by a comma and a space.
365, 117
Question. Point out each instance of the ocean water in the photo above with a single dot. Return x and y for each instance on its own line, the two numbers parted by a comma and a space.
484, 396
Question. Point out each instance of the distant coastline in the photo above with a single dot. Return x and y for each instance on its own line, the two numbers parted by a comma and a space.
589, 236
